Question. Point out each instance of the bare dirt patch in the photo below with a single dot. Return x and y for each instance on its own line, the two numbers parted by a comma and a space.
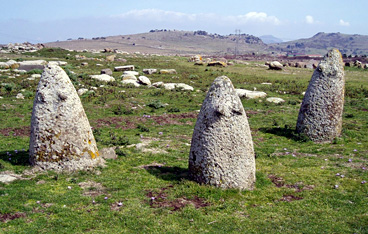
23, 131
131, 123
159, 200
8, 217
290, 198
92, 188
299, 186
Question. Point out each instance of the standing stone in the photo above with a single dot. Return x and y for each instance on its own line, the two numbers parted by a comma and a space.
221, 152
61, 137
320, 115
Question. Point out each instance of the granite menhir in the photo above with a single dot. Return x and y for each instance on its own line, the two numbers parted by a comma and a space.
221, 152
61, 136
320, 115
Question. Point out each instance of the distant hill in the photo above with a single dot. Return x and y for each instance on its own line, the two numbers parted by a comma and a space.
321, 42
269, 39
170, 42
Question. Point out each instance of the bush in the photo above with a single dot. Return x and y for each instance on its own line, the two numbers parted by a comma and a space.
35, 71
156, 104
143, 128
173, 109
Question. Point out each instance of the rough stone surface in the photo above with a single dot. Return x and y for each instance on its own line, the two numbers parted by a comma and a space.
133, 82
158, 84
61, 137
129, 77
149, 71
221, 152
169, 86
320, 115
106, 71
144, 80
108, 153
7, 178
103, 77
184, 87
275, 65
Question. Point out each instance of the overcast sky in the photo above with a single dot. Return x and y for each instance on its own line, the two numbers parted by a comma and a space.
50, 20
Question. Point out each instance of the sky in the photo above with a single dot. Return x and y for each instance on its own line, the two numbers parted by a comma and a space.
40, 21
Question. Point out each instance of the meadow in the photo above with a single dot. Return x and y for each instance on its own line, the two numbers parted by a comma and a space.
302, 187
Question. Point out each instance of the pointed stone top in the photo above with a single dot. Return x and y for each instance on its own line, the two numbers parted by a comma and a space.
332, 64
222, 98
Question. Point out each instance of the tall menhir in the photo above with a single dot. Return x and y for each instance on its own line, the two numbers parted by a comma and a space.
61, 137
320, 115
221, 152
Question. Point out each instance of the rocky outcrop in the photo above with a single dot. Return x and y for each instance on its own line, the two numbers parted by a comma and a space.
61, 137
221, 152
320, 115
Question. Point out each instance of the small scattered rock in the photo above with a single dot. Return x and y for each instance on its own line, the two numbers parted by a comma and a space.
275, 100
103, 77
144, 80
124, 68
217, 63
106, 71
250, 94
133, 82
149, 71
168, 71
134, 73
7, 178
110, 58
275, 65
20, 96
129, 77
108, 153
82, 91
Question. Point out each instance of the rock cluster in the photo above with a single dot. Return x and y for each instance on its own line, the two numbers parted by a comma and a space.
320, 115
221, 152
61, 137
21, 47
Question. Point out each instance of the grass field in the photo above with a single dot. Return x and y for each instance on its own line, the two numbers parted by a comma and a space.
301, 187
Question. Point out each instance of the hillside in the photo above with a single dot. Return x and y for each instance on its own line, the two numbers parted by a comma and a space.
170, 42
269, 39
321, 42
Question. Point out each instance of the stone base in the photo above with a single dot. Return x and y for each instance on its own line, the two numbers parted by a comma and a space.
82, 164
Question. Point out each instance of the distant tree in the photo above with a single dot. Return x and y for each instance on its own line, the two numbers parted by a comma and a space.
200, 32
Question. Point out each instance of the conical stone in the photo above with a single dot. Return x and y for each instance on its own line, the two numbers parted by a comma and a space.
61, 137
221, 152
320, 115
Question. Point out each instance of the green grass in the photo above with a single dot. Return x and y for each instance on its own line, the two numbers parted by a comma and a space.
295, 189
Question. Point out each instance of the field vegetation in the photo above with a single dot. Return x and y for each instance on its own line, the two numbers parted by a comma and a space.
302, 187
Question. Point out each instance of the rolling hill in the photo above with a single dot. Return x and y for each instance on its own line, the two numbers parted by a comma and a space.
321, 42
171, 42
